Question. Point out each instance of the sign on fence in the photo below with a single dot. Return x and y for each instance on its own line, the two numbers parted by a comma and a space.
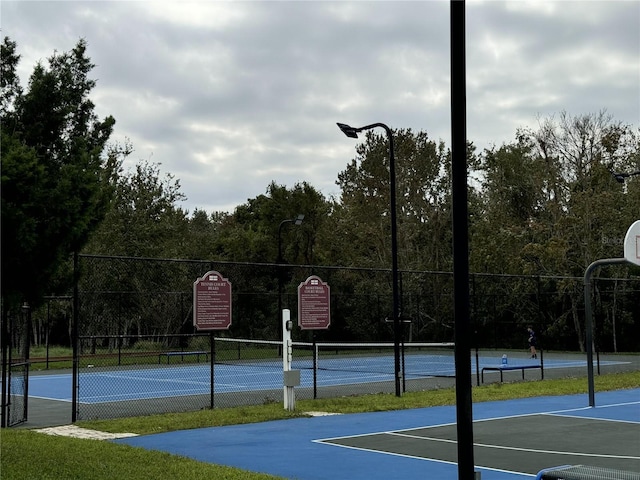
212, 302
314, 312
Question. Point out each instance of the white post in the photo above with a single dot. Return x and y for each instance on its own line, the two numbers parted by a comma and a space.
287, 351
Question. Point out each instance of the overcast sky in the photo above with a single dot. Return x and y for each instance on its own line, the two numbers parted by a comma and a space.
229, 96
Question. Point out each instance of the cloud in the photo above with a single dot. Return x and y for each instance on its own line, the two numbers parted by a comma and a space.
229, 96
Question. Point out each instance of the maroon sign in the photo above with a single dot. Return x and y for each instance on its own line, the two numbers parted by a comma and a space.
212, 302
314, 304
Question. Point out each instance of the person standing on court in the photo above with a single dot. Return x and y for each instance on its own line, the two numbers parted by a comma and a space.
532, 342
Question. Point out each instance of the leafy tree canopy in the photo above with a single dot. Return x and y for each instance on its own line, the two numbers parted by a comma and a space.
550, 199
144, 219
55, 175
422, 197
255, 229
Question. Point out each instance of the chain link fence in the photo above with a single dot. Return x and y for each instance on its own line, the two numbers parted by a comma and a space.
120, 376
135, 296
16, 407
139, 353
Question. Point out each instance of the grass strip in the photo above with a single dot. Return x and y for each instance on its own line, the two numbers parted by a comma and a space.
358, 404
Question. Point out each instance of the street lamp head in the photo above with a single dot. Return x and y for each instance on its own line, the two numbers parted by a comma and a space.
299, 219
619, 177
348, 131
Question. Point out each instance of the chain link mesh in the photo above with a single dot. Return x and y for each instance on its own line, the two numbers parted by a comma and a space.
139, 352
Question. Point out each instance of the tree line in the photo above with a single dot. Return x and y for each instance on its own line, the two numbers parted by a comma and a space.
543, 204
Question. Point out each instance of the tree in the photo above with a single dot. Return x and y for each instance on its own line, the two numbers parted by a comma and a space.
144, 219
202, 231
251, 232
9, 81
550, 202
360, 227
512, 202
422, 199
55, 176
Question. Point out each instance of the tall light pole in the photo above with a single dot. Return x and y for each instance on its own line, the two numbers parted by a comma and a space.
296, 221
460, 230
352, 132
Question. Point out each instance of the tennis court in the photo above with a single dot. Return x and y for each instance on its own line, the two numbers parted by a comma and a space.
105, 384
513, 440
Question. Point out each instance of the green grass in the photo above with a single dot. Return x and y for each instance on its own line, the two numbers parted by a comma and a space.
54, 351
34, 456
27, 454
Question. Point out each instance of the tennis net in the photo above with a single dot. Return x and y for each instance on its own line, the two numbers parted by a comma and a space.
266, 353
418, 360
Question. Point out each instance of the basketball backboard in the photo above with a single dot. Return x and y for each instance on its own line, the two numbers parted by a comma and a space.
632, 243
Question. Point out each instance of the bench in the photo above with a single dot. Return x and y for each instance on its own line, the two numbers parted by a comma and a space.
182, 355
503, 368
582, 472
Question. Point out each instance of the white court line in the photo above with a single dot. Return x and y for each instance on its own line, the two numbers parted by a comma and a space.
623, 404
65, 400
414, 457
595, 418
56, 376
399, 433
424, 459
518, 449
520, 415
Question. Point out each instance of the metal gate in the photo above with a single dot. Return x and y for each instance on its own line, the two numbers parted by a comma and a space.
15, 366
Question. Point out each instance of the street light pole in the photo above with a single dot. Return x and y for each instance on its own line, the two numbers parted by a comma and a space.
460, 231
352, 132
296, 221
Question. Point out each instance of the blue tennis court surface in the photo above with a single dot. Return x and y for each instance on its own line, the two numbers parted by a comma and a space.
99, 385
513, 440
